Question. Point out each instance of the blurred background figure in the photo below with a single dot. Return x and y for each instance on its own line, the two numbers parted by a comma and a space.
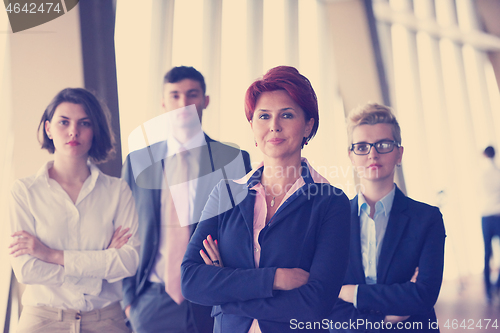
490, 216
190, 163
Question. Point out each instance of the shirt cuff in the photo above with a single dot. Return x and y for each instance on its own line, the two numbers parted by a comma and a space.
355, 296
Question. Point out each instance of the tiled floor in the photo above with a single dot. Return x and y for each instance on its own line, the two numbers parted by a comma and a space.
465, 300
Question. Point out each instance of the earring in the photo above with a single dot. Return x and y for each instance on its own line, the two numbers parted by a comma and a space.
255, 143
304, 141
398, 165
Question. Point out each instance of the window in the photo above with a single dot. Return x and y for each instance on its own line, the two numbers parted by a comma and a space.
231, 43
443, 89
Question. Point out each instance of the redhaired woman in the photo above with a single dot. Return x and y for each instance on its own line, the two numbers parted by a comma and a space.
275, 261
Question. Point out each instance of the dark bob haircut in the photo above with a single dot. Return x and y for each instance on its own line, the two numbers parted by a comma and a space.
180, 73
103, 141
295, 84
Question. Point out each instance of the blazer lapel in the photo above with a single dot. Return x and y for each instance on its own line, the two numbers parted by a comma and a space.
395, 228
247, 209
207, 180
297, 199
356, 260
297, 203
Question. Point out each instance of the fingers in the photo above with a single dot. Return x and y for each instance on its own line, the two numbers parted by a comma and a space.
119, 232
118, 243
120, 238
414, 277
205, 258
21, 246
115, 233
17, 241
212, 249
16, 249
122, 232
394, 319
123, 240
22, 233
127, 311
291, 278
19, 252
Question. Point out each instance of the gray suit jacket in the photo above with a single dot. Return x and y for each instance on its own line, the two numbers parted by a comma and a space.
143, 171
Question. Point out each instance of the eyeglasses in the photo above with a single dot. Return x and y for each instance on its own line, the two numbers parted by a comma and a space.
382, 147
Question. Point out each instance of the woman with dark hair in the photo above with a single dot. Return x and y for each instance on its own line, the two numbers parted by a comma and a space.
274, 261
74, 227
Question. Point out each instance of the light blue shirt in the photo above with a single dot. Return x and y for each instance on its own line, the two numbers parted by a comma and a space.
372, 234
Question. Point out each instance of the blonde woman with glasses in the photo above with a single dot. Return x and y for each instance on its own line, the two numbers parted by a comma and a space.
397, 244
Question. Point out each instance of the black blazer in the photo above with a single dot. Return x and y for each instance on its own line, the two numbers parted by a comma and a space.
310, 230
143, 171
414, 238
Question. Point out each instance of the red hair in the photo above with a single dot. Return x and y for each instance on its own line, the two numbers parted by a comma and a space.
295, 84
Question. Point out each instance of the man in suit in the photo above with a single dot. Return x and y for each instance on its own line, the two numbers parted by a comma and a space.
397, 244
169, 208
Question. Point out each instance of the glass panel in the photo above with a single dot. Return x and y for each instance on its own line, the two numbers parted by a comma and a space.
478, 95
133, 51
233, 124
467, 16
444, 97
446, 13
274, 33
465, 155
408, 110
401, 5
494, 97
424, 9
309, 35
188, 26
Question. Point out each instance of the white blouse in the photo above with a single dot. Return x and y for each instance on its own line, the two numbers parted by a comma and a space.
91, 277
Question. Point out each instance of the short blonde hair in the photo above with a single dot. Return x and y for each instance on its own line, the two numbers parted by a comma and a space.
371, 114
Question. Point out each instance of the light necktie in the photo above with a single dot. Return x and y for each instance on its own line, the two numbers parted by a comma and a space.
177, 229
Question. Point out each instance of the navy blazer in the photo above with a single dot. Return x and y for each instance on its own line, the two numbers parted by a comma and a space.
310, 230
143, 171
414, 238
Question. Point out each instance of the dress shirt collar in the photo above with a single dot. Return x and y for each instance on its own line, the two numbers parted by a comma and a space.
43, 173
308, 174
383, 206
174, 145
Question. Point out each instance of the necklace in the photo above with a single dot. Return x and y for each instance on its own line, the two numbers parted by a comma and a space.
273, 199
